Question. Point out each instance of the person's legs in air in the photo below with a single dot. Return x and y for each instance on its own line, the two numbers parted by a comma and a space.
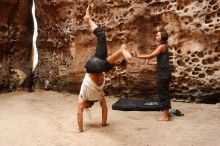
121, 53
101, 47
100, 62
87, 18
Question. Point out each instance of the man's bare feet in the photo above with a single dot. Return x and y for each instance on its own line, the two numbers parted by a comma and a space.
165, 116
126, 53
87, 16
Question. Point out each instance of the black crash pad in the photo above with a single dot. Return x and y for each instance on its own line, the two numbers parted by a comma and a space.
125, 104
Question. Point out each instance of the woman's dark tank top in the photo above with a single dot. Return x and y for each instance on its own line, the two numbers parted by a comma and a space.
163, 68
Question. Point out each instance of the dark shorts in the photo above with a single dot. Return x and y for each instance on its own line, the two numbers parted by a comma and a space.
97, 65
98, 62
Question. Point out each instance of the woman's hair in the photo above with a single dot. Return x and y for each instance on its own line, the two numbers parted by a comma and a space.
164, 36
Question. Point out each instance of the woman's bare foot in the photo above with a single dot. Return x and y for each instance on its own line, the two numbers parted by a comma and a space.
77, 131
165, 116
87, 16
126, 53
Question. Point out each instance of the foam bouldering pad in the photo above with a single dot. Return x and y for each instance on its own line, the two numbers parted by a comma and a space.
125, 104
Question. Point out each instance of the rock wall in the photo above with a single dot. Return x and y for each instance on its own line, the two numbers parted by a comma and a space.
65, 42
15, 44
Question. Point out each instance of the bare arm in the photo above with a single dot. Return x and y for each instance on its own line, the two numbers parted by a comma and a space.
80, 109
155, 53
104, 111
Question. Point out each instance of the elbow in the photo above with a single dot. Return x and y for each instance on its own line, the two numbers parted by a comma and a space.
150, 56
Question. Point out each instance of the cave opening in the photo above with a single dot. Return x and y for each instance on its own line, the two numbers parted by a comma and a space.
34, 46
34, 51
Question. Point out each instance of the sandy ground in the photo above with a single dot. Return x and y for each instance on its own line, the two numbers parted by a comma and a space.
47, 118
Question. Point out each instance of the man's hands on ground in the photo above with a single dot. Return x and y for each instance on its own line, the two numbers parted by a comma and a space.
105, 125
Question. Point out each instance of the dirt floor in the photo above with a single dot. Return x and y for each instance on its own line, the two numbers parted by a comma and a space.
47, 118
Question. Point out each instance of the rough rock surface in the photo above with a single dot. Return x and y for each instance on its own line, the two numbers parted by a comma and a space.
15, 43
65, 42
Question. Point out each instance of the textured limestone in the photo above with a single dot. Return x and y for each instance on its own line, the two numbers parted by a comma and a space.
18, 76
15, 43
65, 42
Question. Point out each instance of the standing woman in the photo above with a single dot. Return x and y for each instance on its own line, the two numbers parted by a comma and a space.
163, 71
